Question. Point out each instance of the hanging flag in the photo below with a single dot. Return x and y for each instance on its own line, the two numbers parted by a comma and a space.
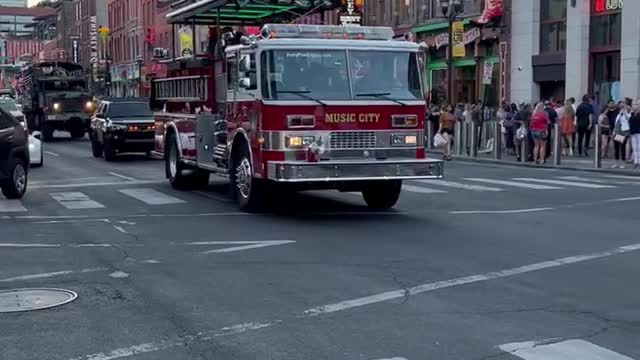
458, 39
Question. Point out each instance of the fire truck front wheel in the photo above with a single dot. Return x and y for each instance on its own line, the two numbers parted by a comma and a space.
382, 195
247, 190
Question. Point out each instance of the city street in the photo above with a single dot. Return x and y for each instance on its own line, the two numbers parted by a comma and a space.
492, 262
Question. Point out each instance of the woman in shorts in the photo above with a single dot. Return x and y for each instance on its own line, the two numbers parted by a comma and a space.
538, 127
447, 122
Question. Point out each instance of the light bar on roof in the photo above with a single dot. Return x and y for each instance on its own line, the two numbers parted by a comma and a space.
289, 31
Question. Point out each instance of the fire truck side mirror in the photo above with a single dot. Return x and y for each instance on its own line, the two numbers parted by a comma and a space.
244, 83
245, 64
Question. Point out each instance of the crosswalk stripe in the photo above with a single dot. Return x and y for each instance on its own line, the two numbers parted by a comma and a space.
11, 206
457, 185
151, 196
580, 178
565, 350
623, 177
75, 200
514, 184
421, 190
566, 183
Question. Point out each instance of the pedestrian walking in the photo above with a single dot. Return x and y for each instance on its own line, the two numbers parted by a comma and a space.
549, 108
584, 122
621, 134
447, 123
539, 132
567, 127
612, 112
634, 132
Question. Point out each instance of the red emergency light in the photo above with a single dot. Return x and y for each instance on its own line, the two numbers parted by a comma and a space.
293, 31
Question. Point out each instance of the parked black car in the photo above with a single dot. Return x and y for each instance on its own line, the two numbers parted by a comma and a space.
120, 126
14, 156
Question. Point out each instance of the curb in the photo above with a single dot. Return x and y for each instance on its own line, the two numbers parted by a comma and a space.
471, 160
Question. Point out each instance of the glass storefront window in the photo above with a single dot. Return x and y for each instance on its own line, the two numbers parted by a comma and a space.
553, 37
553, 10
606, 76
606, 30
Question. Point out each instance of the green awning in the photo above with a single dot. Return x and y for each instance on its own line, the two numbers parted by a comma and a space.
254, 13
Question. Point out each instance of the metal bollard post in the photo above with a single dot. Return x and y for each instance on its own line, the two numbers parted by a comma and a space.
524, 146
457, 138
557, 144
497, 141
473, 139
597, 156
429, 135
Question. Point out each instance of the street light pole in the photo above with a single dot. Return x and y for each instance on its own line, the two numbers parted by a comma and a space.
451, 9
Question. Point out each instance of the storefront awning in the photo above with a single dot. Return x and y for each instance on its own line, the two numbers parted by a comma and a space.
254, 13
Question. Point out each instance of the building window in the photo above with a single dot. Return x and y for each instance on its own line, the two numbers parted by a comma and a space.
553, 26
606, 30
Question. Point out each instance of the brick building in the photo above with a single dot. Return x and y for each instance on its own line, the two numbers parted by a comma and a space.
65, 28
126, 43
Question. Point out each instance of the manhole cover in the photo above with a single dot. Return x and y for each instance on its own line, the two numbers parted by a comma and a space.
33, 299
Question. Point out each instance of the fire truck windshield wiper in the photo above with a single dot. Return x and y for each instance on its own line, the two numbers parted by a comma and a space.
302, 94
382, 96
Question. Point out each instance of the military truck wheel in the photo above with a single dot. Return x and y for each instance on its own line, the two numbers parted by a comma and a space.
109, 151
47, 132
382, 195
248, 191
77, 132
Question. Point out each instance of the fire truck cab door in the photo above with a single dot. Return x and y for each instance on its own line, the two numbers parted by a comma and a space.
242, 90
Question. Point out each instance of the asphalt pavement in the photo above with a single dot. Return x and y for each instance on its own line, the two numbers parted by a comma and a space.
493, 262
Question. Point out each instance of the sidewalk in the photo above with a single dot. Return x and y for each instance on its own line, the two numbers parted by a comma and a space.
567, 163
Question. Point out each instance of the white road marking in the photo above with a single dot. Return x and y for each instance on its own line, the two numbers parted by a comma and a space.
624, 199
457, 185
119, 275
566, 183
246, 245
151, 197
11, 206
52, 153
500, 211
177, 342
120, 228
580, 178
12, 245
123, 177
514, 184
75, 200
105, 183
151, 261
565, 350
393, 358
51, 274
625, 177
429, 287
421, 190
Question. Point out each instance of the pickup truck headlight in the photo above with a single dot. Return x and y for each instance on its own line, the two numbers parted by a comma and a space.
57, 107
90, 106
404, 140
298, 142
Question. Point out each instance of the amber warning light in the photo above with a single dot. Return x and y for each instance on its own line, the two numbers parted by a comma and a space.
281, 31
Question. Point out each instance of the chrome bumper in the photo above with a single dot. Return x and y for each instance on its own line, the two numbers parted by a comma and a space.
357, 170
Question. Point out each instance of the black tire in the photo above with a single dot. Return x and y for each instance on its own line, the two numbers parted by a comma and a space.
96, 147
47, 132
248, 191
174, 168
77, 132
382, 195
109, 151
16, 185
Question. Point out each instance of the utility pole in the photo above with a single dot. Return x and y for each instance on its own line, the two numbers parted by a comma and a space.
451, 9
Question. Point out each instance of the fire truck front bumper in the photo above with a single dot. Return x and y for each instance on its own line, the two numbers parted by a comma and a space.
355, 170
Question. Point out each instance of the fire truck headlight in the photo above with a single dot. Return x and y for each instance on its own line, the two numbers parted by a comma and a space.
404, 140
57, 107
298, 142
404, 121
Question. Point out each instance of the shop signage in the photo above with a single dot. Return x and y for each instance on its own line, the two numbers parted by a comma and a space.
351, 16
469, 37
93, 39
487, 73
608, 5
75, 50
458, 39
186, 41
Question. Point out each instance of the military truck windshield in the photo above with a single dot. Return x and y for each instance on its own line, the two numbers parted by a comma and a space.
129, 109
327, 75
64, 85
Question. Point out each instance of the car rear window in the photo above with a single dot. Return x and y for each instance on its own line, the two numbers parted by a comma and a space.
129, 109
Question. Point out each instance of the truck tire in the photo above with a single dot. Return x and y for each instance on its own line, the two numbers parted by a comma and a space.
16, 185
248, 191
174, 168
77, 132
47, 132
109, 151
96, 147
382, 195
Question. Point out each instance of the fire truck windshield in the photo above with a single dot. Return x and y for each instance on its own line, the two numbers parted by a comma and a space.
340, 75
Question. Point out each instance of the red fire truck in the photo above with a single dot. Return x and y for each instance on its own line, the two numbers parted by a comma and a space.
298, 107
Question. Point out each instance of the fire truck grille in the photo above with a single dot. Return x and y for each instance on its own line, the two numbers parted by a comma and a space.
352, 140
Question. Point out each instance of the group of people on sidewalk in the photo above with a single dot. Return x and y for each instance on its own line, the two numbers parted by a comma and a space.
619, 124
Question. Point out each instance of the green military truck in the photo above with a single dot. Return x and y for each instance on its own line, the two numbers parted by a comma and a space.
55, 96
